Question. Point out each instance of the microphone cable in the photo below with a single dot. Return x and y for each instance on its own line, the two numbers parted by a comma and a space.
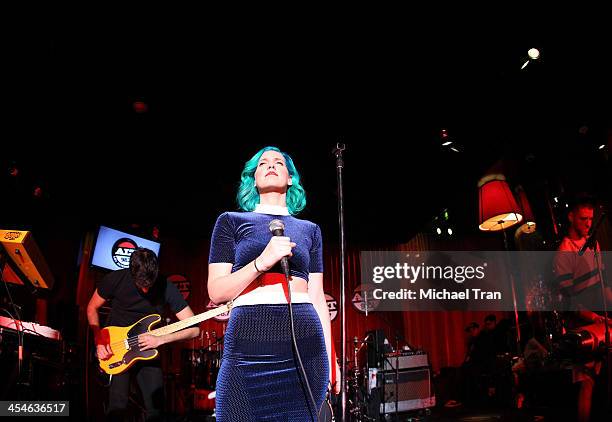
297, 354
277, 227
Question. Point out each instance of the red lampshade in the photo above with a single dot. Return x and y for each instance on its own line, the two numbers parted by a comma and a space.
529, 224
498, 209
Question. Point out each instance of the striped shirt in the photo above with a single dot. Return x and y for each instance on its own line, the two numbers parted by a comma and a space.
576, 276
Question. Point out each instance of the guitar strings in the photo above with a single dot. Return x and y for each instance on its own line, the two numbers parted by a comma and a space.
129, 339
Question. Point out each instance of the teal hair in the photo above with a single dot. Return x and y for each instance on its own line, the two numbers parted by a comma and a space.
248, 196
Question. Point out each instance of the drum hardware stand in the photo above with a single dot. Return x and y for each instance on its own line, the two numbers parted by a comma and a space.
396, 374
356, 402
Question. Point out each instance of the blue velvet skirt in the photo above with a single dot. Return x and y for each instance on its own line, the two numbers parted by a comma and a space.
259, 379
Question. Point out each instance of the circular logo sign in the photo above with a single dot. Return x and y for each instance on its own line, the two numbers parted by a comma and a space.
122, 251
363, 299
182, 284
332, 304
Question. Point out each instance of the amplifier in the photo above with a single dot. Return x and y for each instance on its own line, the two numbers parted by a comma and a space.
414, 390
406, 361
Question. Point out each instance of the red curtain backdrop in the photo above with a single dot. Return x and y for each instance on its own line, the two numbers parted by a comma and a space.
441, 334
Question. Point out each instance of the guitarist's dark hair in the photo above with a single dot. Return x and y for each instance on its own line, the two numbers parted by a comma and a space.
144, 267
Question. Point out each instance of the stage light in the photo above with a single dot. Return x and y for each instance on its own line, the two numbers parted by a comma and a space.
140, 107
602, 146
533, 54
447, 143
529, 224
37, 192
438, 230
444, 133
454, 149
450, 231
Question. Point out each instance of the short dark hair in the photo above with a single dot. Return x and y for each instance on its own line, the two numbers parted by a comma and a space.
490, 317
144, 267
581, 200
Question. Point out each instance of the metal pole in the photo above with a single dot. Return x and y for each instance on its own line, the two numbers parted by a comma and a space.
339, 167
512, 285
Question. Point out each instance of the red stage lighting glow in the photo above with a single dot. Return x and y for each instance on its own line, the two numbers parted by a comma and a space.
140, 107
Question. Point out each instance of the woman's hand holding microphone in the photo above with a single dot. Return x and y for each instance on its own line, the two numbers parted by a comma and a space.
277, 248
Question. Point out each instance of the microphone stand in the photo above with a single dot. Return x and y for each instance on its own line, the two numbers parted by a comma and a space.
592, 242
339, 168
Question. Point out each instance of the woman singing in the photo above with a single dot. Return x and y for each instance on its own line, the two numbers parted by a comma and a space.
260, 378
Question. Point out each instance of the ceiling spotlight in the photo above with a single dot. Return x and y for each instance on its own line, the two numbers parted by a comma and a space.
450, 231
533, 54
454, 149
447, 143
438, 230
602, 146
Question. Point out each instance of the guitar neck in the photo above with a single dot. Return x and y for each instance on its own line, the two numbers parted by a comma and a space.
196, 319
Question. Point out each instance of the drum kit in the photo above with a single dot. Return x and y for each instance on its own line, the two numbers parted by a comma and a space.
199, 370
584, 343
361, 404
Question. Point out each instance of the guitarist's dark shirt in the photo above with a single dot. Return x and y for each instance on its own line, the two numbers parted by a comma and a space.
129, 304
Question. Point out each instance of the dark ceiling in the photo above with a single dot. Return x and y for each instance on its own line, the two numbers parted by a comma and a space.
214, 99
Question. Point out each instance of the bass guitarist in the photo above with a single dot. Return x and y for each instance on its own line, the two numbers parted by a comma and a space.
135, 293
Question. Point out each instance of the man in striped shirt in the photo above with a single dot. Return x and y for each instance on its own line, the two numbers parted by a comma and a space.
579, 285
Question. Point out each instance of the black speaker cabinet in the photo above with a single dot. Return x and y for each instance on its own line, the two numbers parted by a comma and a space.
413, 386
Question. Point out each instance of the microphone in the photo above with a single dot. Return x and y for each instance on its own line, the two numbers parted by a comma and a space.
590, 242
277, 228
